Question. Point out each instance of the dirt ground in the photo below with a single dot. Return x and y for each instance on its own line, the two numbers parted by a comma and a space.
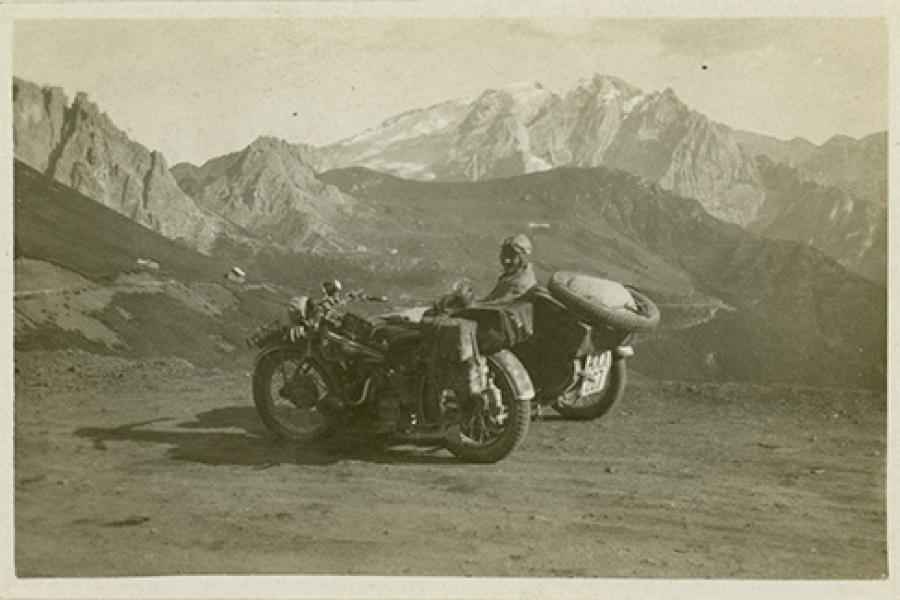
158, 468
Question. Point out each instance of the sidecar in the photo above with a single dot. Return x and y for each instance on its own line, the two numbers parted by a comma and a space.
577, 368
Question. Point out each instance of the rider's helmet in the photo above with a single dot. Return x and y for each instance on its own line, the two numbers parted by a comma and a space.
518, 243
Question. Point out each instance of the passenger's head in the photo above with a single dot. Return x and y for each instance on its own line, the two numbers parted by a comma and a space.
514, 253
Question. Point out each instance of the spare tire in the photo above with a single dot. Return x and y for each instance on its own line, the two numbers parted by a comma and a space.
603, 302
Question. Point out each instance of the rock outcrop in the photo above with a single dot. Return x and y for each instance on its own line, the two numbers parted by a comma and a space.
80, 147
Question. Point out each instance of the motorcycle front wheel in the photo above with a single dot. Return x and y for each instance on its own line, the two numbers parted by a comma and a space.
577, 406
489, 432
287, 388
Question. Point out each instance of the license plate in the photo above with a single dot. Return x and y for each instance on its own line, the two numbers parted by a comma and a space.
592, 386
596, 372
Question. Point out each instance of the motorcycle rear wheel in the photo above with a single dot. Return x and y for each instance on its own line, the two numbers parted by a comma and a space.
482, 438
597, 404
287, 386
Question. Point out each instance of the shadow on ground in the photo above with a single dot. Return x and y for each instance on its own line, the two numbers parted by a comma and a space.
253, 446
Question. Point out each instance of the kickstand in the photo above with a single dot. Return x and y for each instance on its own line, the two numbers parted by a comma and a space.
537, 414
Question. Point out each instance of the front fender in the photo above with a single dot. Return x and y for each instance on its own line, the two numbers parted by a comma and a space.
276, 349
515, 372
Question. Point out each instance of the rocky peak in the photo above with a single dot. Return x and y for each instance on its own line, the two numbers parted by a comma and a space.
665, 107
605, 87
306, 157
82, 102
493, 140
522, 102
270, 190
81, 147
268, 143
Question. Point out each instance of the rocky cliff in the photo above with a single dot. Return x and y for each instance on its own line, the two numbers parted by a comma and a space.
79, 146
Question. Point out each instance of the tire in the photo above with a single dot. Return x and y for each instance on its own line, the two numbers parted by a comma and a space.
515, 426
286, 398
598, 404
643, 319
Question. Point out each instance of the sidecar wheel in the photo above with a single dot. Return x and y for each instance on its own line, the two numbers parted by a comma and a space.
287, 388
481, 438
597, 404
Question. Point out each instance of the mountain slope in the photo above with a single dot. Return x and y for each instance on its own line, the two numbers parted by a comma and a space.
406, 144
91, 278
270, 189
79, 283
493, 139
80, 147
856, 166
768, 310
848, 228
735, 306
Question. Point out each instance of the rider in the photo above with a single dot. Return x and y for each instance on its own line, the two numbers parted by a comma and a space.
518, 275
516, 279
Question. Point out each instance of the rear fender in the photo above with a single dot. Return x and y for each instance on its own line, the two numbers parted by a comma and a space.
515, 372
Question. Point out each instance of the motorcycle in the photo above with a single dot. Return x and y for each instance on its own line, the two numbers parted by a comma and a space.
464, 376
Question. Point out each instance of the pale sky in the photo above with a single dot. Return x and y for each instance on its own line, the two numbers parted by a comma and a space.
195, 89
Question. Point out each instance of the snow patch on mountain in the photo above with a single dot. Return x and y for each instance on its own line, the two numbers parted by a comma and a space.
630, 103
409, 170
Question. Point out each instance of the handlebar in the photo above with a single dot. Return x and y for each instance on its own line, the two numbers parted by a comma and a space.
365, 297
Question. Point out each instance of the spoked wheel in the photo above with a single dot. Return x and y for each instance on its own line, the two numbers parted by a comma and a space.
597, 392
287, 389
492, 426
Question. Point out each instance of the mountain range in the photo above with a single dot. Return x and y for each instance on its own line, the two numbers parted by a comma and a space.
605, 121
260, 196
744, 299
267, 193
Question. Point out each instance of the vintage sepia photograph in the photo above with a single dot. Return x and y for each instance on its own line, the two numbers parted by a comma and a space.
436, 296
